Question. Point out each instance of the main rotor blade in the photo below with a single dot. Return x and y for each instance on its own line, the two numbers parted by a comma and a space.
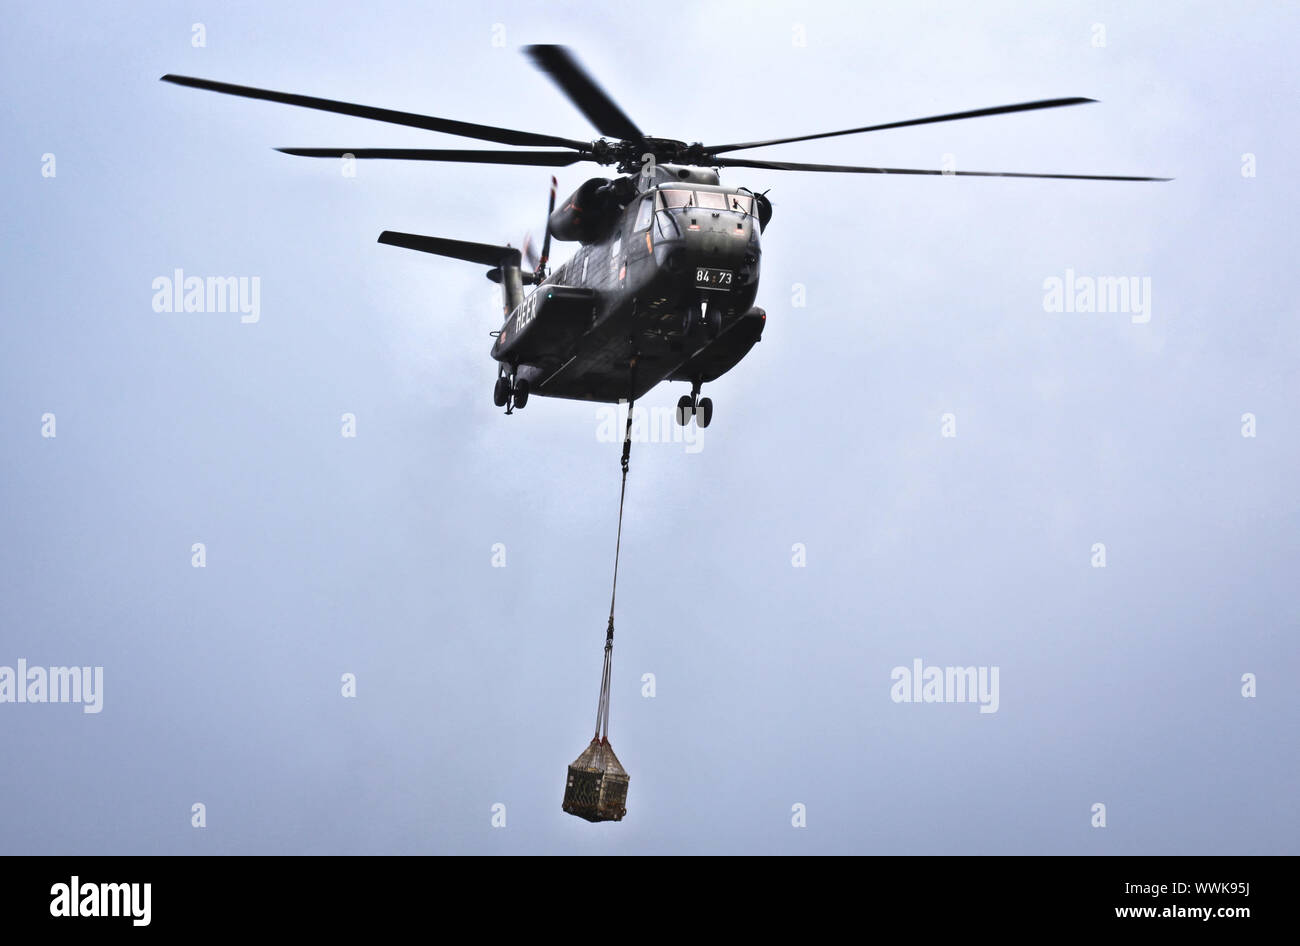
558, 63
505, 136
951, 117
550, 159
849, 169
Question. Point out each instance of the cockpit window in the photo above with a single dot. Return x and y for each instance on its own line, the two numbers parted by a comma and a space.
741, 203
677, 198
708, 200
643, 213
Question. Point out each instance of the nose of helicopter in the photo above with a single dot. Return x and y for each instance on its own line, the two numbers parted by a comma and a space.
715, 239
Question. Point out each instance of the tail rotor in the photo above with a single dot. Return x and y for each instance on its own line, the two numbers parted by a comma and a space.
546, 240
535, 262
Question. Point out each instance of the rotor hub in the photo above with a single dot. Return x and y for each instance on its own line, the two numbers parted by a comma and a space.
630, 156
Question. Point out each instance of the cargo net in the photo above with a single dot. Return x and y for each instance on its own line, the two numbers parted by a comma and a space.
596, 789
597, 785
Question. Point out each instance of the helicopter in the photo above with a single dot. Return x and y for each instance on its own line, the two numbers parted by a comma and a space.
663, 284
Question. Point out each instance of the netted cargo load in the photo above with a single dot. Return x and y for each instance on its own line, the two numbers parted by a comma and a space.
596, 788
597, 785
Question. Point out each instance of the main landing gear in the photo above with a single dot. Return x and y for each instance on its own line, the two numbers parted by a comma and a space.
709, 316
692, 405
510, 393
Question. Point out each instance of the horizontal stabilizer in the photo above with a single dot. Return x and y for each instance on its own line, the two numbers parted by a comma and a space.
484, 253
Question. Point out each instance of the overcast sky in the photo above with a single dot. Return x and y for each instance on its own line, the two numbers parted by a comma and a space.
476, 685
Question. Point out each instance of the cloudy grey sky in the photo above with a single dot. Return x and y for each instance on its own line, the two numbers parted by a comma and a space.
477, 685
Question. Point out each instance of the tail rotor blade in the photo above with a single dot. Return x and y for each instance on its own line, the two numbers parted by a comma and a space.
546, 240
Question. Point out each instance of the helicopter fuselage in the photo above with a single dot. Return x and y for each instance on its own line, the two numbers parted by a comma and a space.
672, 284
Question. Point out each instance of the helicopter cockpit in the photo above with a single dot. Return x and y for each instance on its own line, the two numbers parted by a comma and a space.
703, 207
670, 198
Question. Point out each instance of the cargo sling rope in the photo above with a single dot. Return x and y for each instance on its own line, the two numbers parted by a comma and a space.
596, 789
602, 707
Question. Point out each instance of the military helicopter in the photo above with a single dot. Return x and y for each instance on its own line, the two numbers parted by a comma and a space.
663, 284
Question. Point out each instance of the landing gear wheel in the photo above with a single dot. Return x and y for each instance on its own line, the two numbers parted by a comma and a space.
521, 393
704, 413
501, 391
688, 320
713, 323
685, 408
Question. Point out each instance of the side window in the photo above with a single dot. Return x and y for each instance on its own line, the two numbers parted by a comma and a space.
643, 212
